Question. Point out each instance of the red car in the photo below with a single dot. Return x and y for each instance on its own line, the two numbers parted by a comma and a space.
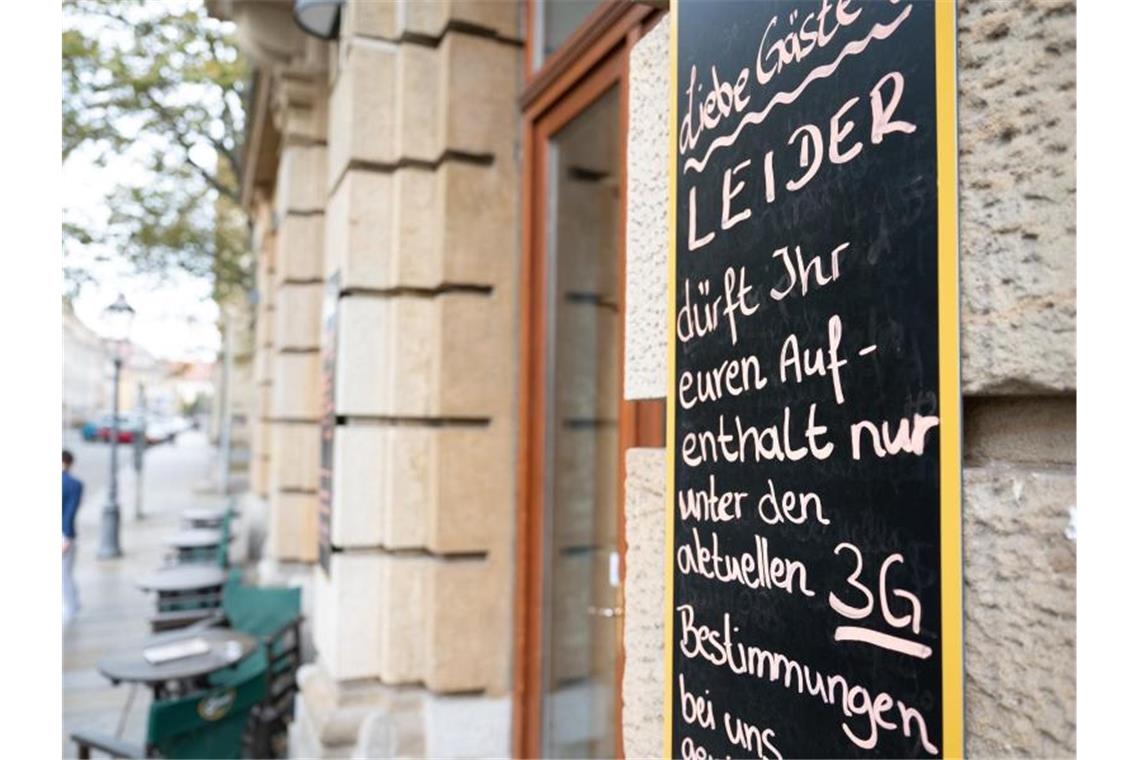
128, 427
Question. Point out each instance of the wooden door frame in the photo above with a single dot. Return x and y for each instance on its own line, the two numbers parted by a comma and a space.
597, 61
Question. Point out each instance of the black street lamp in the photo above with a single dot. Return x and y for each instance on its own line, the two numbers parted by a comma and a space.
118, 317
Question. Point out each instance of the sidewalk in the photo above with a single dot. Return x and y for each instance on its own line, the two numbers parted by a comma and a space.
113, 611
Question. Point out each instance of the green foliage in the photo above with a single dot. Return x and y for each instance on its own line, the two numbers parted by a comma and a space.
161, 82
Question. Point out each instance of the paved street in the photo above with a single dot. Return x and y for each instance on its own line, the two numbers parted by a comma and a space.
113, 611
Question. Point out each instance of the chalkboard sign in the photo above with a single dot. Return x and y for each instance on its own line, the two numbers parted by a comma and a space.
814, 587
330, 313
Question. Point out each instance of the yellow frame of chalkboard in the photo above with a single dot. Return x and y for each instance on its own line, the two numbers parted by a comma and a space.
949, 381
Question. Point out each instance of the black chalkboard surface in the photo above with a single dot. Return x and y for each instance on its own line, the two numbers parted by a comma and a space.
814, 603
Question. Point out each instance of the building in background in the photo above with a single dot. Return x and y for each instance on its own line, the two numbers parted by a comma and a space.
87, 376
465, 204
86, 371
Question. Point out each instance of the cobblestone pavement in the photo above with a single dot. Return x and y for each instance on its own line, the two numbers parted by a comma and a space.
113, 611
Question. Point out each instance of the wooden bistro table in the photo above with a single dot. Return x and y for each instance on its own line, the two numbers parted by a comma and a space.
228, 647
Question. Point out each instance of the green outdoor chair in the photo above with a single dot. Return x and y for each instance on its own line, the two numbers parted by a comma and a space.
273, 615
214, 723
223, 555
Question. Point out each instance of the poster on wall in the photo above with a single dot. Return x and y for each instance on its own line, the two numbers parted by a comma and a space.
814, 582
330, 311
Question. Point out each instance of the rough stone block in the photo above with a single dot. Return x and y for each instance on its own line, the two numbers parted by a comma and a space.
259, 470
394, 730
402, 599
474, 475
329, 713
298, 316
362, 114
412, 484
417, 104
1040, 431
647, 221
296, 456
412, 356
466, 726
359, 234
300, 108
393, 102
643, 682
293, 526
301, 179
264, 329
264, 404
478, 105
476, 355
350, 617
368, 18
363, 348
1017, 164
479, 216
359, 476
1020, 602
424, 228
300, 248
295, 389
461, 656
263, 361
265, 439
432, 19
444, 488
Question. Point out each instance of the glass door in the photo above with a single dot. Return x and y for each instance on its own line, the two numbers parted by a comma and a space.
581, 559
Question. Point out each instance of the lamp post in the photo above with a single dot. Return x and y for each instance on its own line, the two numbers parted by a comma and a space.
139, 444
118, 317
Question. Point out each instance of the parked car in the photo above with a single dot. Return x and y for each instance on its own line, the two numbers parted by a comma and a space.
162, 430
129, 426
90, 429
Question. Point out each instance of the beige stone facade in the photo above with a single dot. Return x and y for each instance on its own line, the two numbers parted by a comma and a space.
391, 158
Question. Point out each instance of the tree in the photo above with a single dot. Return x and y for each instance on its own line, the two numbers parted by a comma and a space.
163, 83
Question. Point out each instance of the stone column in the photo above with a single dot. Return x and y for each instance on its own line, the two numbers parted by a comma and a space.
265, 248
299, 115
1017, 77
413, 617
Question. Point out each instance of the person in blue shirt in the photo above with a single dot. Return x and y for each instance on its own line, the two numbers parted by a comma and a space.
72, 495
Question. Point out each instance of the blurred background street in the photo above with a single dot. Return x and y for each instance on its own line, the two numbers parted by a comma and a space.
113, 611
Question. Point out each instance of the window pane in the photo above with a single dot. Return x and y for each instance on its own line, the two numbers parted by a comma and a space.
583, 341
557, 20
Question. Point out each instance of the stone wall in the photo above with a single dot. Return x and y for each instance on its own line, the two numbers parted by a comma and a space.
419, 193
1017, 74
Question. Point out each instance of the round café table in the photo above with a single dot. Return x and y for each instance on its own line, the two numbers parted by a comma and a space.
205, 517
227, 648
195, 538
185, 587
196, 544
182, 579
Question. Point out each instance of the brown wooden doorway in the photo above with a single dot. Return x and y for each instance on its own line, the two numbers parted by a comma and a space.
574, 424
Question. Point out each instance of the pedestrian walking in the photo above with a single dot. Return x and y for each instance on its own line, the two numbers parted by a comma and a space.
72, 495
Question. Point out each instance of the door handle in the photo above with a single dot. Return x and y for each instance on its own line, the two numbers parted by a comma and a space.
607, 612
